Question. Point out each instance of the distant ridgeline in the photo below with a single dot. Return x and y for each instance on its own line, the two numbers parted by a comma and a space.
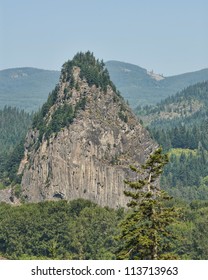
141, 87
26, 88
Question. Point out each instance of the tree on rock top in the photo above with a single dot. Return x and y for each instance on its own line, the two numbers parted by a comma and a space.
91, 69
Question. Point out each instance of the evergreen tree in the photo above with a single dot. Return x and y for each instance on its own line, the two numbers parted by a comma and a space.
146, 232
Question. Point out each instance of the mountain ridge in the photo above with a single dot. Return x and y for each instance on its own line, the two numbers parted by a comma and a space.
139, 88
26, 87
134, 82
181, 107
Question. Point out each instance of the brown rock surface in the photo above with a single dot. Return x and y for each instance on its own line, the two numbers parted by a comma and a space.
90, 157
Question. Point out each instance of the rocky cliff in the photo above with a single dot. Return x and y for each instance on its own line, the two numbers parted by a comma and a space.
83, 139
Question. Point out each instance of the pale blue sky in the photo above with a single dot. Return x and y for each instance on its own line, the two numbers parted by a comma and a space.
170, 37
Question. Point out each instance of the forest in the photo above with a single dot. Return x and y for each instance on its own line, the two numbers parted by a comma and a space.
14, 124
80, 229
180, 125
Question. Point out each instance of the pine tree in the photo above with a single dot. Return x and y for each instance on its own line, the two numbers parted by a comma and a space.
145, 232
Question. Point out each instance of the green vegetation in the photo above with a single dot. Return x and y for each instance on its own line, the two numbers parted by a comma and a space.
139, 88
82, 230
61, 117
179, 121
186, 173
58, 230
148, 225
180, 125
95, 74
13, 127
91, 69
39, 120
26, 88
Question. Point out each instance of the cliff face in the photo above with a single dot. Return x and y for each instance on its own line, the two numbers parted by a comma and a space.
89, 155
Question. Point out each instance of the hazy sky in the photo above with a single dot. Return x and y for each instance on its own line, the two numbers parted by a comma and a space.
170, 37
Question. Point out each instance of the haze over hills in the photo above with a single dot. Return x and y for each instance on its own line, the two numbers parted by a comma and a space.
28, 88
188, 104
141, 87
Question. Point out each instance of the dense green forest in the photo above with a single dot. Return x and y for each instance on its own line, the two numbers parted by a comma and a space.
58, 230
180, 125
82, 230
14, 124
26, 88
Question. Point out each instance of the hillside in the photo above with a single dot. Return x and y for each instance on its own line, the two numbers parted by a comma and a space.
188, 106
180, 125
26, 88
141, 87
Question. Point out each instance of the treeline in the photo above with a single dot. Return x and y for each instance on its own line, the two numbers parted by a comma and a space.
185, 175
186, 131
82, 230
91, 69
185, 135
58, 230
181, 102
193, 92
14, 124
185, 138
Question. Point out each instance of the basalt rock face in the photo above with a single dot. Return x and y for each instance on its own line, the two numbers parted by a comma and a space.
83, 140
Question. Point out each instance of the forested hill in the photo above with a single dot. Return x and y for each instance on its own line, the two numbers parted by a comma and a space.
142, 87
180, 125
190, 105
26, 88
